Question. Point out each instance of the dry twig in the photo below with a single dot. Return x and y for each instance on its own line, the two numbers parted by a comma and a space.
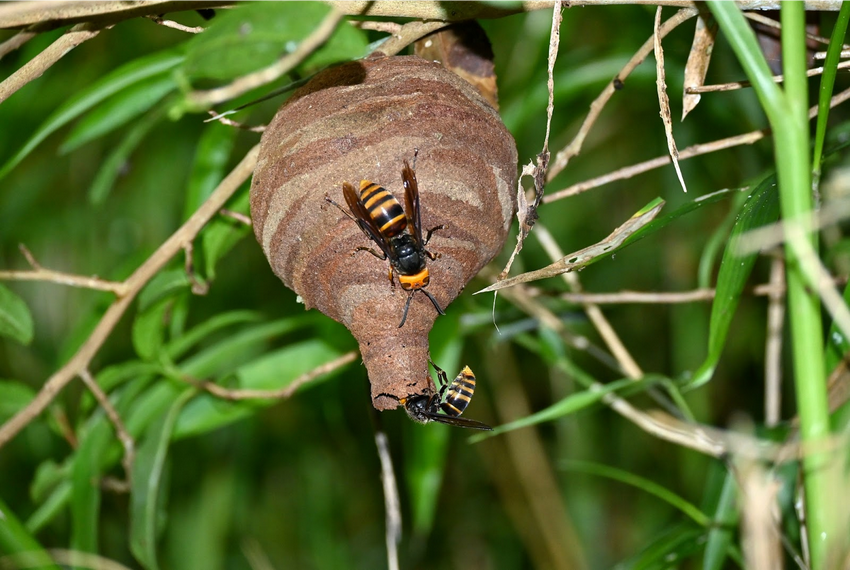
392, 503
34, 68
173, 245
694, 150
563, 157
40, 274
176, 25
15, 42
281, 393
120, 429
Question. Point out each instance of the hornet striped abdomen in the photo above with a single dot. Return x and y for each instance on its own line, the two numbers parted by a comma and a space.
452, 399
460, 393
397, 231
383, 208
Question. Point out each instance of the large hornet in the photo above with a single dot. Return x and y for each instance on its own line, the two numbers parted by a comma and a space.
397, 232
452, 399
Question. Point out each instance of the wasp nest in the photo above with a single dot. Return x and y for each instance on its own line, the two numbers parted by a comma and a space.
361, 120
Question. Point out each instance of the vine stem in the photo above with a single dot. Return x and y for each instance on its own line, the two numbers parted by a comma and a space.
171, 247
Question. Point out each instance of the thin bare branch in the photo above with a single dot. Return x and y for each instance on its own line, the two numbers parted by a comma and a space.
603, 327
392, 503
39, 273
281, 393
15, 42
409, 33
176, 25
691, 151
120, 429
35, 67
741, 84
173, 245
44, 16
563, 157
771, 23
221, 118
377, 26
459, 11
704, 439
760, 533
668, 298
205, 99
49, 15
527, 214
238, 216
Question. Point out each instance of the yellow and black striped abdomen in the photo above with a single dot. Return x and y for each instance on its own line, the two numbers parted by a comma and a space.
383, 208
460, 393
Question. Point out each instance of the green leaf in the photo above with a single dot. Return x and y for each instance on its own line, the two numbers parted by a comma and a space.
761, 208
239, 348
149, 330
147, 491
119, 110
179, 346
569, 405
126, 75
164, 284
685, 507
15, 317
15, 540
97, 439
14, 396
426, 468
253, 36
54, 505
208, 169
115, 161
669, 550
223, 233
837, 344
272, 371
723, 530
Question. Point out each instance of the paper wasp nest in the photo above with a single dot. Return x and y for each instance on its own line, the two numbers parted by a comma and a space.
360, 121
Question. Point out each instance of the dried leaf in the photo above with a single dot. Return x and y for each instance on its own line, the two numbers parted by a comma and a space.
663, 100
698, 60
464, 50
588, 255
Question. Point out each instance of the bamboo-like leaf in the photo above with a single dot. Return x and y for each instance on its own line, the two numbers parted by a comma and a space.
126, 75
685, 507
148, 486
760, 209
119, 109
15, 540
117, 159
725, 521
273, 371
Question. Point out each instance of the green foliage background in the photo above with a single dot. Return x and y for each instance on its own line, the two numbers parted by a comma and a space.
297, 482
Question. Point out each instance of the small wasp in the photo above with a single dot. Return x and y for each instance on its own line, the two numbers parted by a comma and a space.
397, 232
452, 399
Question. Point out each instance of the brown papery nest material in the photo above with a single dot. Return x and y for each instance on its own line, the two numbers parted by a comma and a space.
361, 120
